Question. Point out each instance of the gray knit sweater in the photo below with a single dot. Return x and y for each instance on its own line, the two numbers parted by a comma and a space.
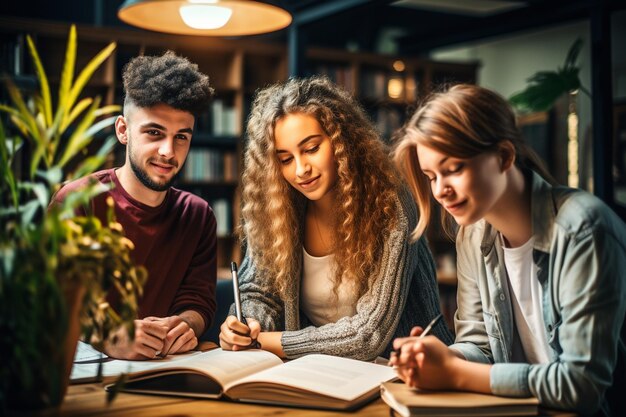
402, 296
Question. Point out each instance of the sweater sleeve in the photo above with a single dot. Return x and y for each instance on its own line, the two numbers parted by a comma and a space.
366, 334
257, 303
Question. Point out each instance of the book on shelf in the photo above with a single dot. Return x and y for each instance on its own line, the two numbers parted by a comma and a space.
251, 376
337, 73
210, 165
221, 209
374, 84
407, 401
224, 119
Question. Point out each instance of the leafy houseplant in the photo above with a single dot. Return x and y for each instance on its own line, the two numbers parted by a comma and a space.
56, 268
545, 87
541, 94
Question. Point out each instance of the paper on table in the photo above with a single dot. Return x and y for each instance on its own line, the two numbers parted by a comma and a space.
88, 370
85, 353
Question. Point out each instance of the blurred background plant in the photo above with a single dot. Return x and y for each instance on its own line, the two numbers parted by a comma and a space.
545, 87
56, 267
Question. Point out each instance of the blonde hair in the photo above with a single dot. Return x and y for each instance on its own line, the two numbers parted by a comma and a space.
463, 122
366, 188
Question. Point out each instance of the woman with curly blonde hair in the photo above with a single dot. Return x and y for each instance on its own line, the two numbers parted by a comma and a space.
329, 267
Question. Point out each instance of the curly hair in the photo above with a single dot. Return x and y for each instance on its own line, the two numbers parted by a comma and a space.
166, 79
367, 186
463, 122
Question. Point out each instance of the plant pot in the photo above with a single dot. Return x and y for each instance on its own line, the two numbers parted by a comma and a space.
50, 378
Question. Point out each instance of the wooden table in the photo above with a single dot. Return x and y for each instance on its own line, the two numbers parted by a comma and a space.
90, 400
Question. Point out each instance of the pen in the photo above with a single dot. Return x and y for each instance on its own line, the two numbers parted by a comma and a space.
233, 269
427, 330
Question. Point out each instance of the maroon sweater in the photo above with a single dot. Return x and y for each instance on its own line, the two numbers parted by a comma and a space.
175, 241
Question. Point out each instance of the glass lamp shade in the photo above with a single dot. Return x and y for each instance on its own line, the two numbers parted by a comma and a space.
204, 17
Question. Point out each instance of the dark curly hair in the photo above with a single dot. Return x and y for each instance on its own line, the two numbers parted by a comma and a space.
167, 79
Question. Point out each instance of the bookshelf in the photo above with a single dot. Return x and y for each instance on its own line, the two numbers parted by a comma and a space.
235, 69
388, 87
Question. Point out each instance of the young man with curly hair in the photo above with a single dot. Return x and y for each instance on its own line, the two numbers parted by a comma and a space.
174, 232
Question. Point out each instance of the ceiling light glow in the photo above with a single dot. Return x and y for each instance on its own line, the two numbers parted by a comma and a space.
202, 16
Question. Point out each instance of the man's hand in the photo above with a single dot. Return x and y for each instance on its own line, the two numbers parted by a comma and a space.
147, 344
180, 335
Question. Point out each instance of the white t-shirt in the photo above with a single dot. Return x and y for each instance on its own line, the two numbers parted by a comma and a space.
527, 301
318, 301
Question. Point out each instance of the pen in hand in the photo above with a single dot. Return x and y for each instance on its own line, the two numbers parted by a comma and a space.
427, 330
233, 268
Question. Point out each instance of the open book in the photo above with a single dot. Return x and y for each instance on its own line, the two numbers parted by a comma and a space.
407, 402
315, 381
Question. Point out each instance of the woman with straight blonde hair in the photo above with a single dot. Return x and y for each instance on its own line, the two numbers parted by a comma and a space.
541, 267
328, 268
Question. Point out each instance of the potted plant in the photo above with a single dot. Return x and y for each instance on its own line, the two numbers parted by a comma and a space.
545, 87
56, 268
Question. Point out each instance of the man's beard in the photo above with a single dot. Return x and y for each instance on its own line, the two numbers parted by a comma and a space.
143, 176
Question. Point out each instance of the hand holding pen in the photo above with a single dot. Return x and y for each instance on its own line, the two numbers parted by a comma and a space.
398, 343
233, 268
427, 363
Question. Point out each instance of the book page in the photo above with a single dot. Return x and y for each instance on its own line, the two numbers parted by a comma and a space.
85, 370
228, 366
223, 366
341, 378
86, 353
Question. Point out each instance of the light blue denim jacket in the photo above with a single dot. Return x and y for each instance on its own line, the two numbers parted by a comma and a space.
580, 254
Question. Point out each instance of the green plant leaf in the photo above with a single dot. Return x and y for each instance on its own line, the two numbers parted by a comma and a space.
8, 261
42, 193
112, 108
7, 150
28, 211
67, 75
10, 110
545, 87
87, 72
53, 176
100, 125
92, 163
43, 80
20, 124
82, 198
79, 140
77, 110
38, 155
24, 114
572, 54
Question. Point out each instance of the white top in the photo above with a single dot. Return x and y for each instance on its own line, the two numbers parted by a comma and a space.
318, 301
527, 301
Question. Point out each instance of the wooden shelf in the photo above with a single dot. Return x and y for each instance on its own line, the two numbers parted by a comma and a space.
237, 68
195, 184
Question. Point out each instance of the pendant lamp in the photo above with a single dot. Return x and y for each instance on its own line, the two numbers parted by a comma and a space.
204, 17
